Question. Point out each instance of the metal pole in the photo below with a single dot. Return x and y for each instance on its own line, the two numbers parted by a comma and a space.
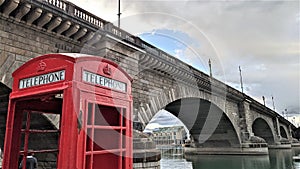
210, 71
263, 97
273, 103
119, 13
241, 79
286, 113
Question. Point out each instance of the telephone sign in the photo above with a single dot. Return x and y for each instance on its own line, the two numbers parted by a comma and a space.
97, 79
42, 79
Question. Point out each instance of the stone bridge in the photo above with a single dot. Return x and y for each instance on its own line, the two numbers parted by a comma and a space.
217, 115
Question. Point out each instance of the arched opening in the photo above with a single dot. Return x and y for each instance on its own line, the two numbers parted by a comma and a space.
283, 133
4, 99
209, 126
166, 129
293, 134
297, 133
261, 129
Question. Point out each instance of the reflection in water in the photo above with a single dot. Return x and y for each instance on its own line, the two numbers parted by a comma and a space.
282, 159
277, 159
175, 163
296, 162
229, 162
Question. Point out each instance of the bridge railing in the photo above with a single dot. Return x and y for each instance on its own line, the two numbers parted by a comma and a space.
59, 4
77, 12
99, 23
102, 25
84, 15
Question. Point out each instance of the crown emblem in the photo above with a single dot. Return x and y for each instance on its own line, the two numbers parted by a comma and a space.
41, 66
107, 70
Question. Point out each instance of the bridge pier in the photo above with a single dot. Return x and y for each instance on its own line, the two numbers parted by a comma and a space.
245, 120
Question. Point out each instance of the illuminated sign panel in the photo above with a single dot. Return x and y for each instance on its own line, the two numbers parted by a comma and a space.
42, 79
103, 81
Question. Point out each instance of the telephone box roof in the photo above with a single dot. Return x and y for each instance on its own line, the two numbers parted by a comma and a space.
72, 57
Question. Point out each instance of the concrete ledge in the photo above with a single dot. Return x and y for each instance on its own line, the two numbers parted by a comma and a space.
280, 146
227, 151
295, 144
150, 155
143, 144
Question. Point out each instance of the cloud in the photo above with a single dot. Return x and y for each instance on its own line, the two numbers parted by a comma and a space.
163, 119
260, 36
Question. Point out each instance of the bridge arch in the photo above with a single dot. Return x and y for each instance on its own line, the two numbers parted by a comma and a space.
262, 128
209, 126
4, 99
283, 132
176, 93
160, 97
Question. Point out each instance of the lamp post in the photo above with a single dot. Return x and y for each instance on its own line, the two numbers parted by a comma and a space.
273, 103
286, 115
241, 79
119, 13
210, 70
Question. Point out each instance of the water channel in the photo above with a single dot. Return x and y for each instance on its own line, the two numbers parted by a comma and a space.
277, 159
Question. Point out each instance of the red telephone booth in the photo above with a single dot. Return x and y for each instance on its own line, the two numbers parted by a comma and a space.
86, 99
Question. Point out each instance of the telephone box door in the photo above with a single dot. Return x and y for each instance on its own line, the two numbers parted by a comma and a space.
107, 134
32, 133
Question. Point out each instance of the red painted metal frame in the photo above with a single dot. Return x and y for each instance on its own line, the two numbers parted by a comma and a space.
77, 94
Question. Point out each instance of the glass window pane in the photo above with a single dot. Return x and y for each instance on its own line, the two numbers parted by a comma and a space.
107, 116
106, 139
90, 114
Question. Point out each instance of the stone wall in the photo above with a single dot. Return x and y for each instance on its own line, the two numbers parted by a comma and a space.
20, 42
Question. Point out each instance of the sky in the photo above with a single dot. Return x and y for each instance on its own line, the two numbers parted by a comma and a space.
262, 37
164, 116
